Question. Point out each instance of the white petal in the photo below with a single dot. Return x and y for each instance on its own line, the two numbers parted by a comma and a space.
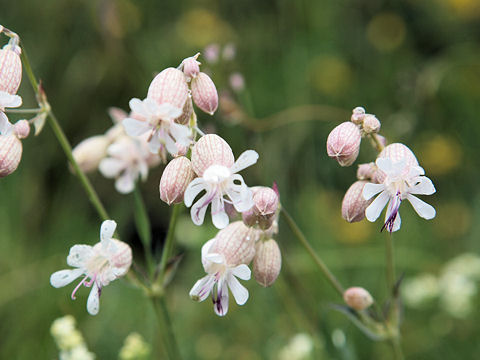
215, 258
240, 194
64, 277
370, 190
384, 164
170, 144
136, 105
219, 216
181, 133
155, 143
199, 208
125, 183
9, 101
423, 209
107, 229
79, 255
416, 171
134, 127
202, 288
373, 211
120, 149
205, 252
6, 128
111, 167
242, 271
398, 220
246, 159
424, 187
169, 112
239, 292
221, 308
193, 189
93, 302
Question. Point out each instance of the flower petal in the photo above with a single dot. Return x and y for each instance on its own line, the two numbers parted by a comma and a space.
375, 208
202, 288
6, 128
79, 255
384, 164
111, 167
169, 112
199, 208
423, 187
64, 277
193, 189
93, 302
136, 105
220, 306
423, 209
397, 222
240, 194
125, 183
219, 216
246, 159
155, 142
370, 190
239, 292
134, 127
181, 133
107, 229
242, 271
9, 101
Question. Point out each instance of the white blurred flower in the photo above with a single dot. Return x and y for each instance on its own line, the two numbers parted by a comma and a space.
420, 290
102, 263
157, 121
134, 348
300, 347
69, 340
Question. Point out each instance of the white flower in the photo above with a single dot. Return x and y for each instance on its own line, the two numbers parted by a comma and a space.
402, 181
212, 160
128, 159
101, 264
157, 120
224, 277
7, 101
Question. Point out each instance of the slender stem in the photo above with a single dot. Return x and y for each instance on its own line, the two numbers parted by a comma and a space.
62, 139
397, 349
390, 264
142, 223
303, 240
24, 111
168, 246
377, 142
168, 336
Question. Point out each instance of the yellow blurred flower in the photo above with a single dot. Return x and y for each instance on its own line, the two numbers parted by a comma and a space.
330, 74
440, 154
453, 219
386, 31
467, 9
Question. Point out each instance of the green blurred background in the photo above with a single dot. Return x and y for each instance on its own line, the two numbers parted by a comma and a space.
415, 64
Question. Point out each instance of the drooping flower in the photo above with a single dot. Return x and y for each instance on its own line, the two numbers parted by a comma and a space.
10, 79
158, 121
101, 264
128, 159
213, 162
225, 259
402, 179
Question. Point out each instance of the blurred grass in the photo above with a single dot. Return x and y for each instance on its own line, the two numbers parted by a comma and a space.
414, 64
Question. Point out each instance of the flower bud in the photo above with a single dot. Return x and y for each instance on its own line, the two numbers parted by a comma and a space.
90, 152
10, 154
21, 129
175, 179
396, 152
236, 242
10, 69
358, 114
264, 210
371, 124
353, 204
191, 67
366, 171
357, 298
343, 143
170, 86
211, 150
204, 93
267, 262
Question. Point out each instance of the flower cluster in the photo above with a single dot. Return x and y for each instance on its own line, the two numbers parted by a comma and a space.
395, 176
69, 340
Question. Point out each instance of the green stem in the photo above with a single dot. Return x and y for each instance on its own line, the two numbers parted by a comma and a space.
23, 111
378, 145
390, 264
303, 240
168, 335
168, 246
397, 349
62, 139
142, 223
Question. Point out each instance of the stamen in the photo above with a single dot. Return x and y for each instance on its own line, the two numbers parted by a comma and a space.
78, 286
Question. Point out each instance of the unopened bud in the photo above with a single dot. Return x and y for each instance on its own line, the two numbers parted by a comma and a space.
267, 262
366, 171
236, 242
90, 152
10, 69
210, 150
21, 129
170, 86
175, 179
343, 143
264, 210
358, 114
353, 204
371, 124
357, 298
191, 66
204, 93
10, 154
